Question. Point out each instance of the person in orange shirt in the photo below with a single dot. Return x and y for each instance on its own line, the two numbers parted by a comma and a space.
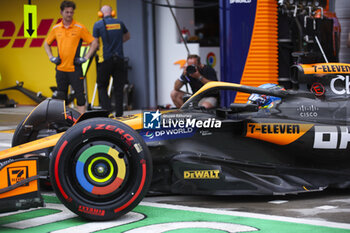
69, 35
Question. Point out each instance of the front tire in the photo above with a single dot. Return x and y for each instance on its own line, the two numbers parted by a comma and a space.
100, 169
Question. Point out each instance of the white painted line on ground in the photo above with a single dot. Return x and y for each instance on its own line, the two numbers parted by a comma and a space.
165, 227
250, 215
347, 200
15, 212
65, 214
15, 112
277, 202
9, 128
326, 207
4, 144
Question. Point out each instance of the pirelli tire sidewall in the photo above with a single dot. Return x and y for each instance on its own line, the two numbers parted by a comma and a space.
96, 133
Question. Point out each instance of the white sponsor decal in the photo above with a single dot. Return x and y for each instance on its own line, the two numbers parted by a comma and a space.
327, 137
206, 133
342, 89
138, 147
308, 111
173, 131
240, 1
193, 123
2, 164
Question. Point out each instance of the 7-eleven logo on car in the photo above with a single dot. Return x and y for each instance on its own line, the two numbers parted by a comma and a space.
17, 174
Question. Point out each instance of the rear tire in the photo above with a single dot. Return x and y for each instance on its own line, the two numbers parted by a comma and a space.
100, 169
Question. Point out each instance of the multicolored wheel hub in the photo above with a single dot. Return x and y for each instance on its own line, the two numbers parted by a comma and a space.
99, 170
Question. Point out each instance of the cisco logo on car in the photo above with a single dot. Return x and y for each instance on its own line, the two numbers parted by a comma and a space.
240, 1
308, 111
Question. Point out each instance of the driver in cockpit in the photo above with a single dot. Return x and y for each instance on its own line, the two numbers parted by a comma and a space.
265, 101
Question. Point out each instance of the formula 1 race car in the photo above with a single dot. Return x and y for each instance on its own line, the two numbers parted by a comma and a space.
279, 142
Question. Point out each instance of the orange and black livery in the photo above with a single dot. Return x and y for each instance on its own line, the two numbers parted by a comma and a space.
100, 167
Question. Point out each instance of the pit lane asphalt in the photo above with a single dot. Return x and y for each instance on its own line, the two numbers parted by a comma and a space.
329, 205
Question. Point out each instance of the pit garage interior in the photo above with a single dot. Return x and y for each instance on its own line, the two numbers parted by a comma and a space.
221, 32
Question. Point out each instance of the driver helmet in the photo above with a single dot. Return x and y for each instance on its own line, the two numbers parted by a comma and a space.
265, 101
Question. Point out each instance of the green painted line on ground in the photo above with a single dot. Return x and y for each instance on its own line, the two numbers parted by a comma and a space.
195, 231
47, 227
158, 216
24, 216
163, 215
51, 199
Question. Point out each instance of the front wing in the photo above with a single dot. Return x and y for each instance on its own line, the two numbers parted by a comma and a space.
19, 186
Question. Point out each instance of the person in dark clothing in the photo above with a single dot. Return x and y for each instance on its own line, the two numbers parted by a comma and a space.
113, 33
200, 75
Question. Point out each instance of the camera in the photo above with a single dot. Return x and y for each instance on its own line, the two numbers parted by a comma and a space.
191, 69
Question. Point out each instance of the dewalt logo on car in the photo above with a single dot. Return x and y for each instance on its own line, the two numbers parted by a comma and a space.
201, 174
277, 133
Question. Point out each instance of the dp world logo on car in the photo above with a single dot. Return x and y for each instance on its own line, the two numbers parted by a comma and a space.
151, 120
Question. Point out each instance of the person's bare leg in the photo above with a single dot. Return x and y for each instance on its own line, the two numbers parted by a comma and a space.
176, 97
81, 109
207, 105
208, 102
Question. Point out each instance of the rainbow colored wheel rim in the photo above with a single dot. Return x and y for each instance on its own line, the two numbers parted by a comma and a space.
99, 170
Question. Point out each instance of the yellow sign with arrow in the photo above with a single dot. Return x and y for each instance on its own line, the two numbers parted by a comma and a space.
30, 21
